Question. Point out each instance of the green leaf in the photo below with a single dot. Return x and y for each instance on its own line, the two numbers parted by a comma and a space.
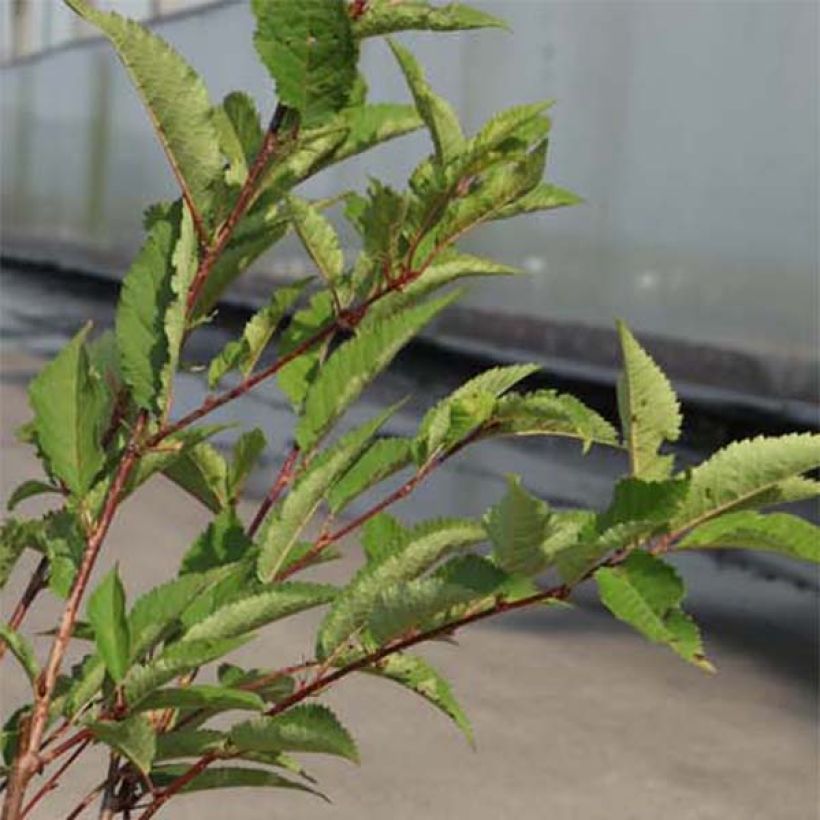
177, 103
517, 527
189, 743
654, 502
246, 351
747, 473
547, 412
318, 237
21, 649
201, 471
357, 362
133, 738
236, 580
269, 684
106, 614
223, 542
437, 113
64, 541
202, 696
382, 459
258, 610
310, 52
646, 594
67, 398
777, 532
281, 531
305, 728
246, 452
29, 489
384, 17
454, 417
15, 536
175, 660
227, 777
422, 547
544, 197
649, 410
240, 134
415, 674
382, 536
150, 313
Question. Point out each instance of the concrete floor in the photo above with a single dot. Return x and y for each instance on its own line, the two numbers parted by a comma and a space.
576, 718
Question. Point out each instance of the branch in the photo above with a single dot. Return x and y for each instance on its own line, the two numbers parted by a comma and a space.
36, 584
283, 478
53, 781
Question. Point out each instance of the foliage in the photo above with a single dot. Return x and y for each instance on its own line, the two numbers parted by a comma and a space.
103, 425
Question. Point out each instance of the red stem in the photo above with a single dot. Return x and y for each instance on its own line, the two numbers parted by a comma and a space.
36, 584
283, 478
53, 781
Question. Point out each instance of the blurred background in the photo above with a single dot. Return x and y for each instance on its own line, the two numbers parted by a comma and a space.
691, 129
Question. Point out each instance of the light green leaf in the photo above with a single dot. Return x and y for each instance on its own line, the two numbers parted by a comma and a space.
777, 532
106, 614
649, 409
21, 649
201, 471
318, 237
357, 362
646, 594
308, 727
383, 458
29, 489
227, 777
202, 696
68, 399
258, 610
547, 412
177, 103
271, 685
310, 52
175, 660
281, 531
415, 674
246, 351
544, 197
385, 17
246, 452
133, 738
747, 473
240, 134
423, 546
15, 536
634, 499
150, 313
223, 542
517, 527
436, 112
382, 536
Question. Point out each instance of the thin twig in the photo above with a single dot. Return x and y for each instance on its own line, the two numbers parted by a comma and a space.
53, 781
283, 478
86, 801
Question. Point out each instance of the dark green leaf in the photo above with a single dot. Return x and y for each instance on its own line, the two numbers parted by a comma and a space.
28, 489
106, 614
21, 649
202, 696
133, 737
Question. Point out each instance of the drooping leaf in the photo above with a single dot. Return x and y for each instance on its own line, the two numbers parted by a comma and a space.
202, 696
746, 474
517, 527
309, 50
106, 614
258, 610
21, 649
646, 594
648, 408
777, 532
201, 471
223, 542
319, 238
245, 352
246, 452
29, 489
422, 547
69, 429
416, 674
309, 727
150, 313
282, 530
227, 777
133, 738
383, 458
176, 99
357, 362
384, 17
547, 412
437, 113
